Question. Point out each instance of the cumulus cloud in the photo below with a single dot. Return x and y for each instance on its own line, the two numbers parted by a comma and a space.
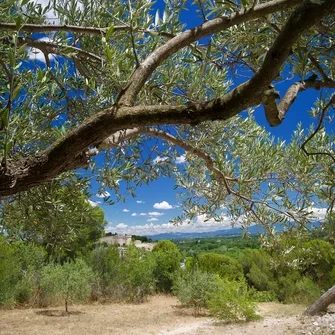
181, 159
50, 15
159, 159
103, 195
200, 224
155, 214
152, 219
134, 214
140, 202
143, 214
121, 226
318, 214
93, 203
125, 210
162, 205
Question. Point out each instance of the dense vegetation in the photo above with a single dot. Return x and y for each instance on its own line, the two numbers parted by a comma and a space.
292, 269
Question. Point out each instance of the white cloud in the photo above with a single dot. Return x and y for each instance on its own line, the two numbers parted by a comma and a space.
318, 214
50, 15
125, 210
134, 214
152, 219
121, 226
143, 214
140, 202
181, 159
159, 159
93, 203
103, 195
162, 205
155, 214
199, 225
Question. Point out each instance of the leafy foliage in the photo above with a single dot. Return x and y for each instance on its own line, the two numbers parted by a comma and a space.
57, 216
192, 288
231, 302
168, 258
224, 266
70, 281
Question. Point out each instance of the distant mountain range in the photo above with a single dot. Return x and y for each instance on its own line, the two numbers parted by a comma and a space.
253, 230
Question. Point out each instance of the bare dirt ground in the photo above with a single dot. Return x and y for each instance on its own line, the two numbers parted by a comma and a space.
160, 315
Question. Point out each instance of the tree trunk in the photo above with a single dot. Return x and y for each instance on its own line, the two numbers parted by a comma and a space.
320, 305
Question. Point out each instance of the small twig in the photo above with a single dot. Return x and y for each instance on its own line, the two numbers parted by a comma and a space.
60, 85
317, 129
134, 47
319, 68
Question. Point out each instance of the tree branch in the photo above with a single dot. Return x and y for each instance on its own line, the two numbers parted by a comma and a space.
36, 28
182, 40
122, 135
317, 129
275, 113
65, 153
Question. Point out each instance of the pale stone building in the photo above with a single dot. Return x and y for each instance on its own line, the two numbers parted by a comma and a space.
120, 240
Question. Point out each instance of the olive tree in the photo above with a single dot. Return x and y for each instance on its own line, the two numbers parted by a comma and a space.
117, 75
122, 72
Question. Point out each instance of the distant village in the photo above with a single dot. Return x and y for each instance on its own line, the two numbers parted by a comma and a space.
141, 242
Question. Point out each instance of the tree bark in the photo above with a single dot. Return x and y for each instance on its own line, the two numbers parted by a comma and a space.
320, 305
71, 151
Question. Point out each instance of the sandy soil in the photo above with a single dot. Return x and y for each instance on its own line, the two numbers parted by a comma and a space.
161, 315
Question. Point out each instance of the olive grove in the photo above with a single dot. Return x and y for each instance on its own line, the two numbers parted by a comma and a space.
119, 78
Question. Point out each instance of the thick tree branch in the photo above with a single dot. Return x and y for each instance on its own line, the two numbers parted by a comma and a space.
182, 40
65, 153
275, 113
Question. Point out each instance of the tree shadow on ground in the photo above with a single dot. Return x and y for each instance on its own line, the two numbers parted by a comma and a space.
57, 313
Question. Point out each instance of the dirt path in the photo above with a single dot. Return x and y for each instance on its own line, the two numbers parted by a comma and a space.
159, 316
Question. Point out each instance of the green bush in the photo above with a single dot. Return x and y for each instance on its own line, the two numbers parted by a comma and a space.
106, 263
167, 257
127, 279
135, 279
9, 272
192, 288
301, 291
70, 281
257, 268
262, 296
231, 301
31, 259
224, 266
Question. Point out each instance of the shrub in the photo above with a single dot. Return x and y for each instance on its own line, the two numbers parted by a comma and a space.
105, 262
300, 290
257, 269
135, 279
192, 288
262, 296
167, 257
70, 281
127, 279
224, 266
9, 272
231, 301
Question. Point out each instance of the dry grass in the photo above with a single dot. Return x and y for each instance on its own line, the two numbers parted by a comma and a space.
156, 315
159, 316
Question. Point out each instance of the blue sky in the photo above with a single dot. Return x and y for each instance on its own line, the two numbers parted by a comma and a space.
156, 204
